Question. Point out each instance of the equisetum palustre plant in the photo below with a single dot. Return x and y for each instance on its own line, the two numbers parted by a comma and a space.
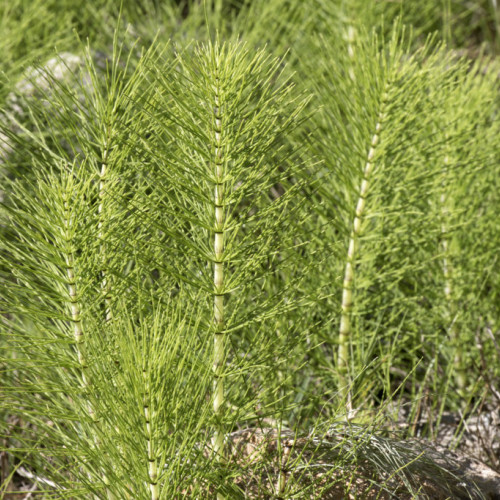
200, 239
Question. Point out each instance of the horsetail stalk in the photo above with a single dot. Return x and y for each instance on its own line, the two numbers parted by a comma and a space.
100, 209
152, 466
219, 351
74, 305
345, 333
105, 285
351, 38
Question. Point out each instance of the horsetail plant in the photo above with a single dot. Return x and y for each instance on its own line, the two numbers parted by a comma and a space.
55, 234
375, 202
398, 84
110, 106
225, 117
67, 189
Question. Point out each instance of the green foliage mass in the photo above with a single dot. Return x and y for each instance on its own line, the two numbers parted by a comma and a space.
276, 216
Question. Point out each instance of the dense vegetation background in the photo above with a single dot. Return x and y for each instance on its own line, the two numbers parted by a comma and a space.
248, 249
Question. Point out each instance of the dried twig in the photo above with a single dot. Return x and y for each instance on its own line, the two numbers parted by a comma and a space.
39, 479
30, 492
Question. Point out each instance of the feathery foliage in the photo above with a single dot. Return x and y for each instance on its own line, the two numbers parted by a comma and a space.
251, 224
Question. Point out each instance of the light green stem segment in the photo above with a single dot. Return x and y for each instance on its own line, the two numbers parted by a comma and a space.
454, 333
74, 304
103, 185
351, 37
152, 466
219, 347
345, 333
105, 285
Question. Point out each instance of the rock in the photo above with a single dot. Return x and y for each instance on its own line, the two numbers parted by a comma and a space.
35, 79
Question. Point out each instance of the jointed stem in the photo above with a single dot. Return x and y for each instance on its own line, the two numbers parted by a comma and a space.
219, 348
152, 467
102, 192
345, 333
73, 302
75, 309
351, 37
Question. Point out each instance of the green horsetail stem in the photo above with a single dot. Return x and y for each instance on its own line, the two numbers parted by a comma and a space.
351, 37
75, 311
73, 303
460, 377
219, 349
345, 333
152, 466
105, 285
